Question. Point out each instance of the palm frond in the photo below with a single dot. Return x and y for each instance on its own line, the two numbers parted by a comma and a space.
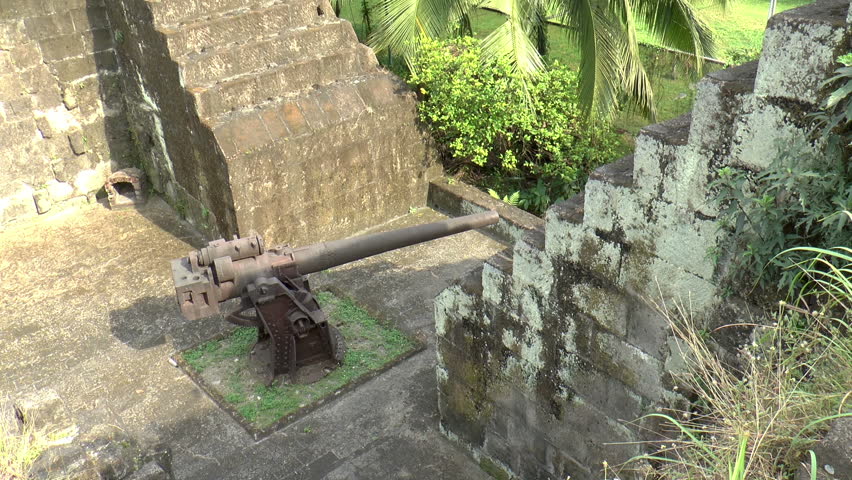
600, 39
513, 40
677, 24
637, 85
402, 24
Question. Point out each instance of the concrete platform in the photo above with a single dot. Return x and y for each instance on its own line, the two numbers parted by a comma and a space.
87, 310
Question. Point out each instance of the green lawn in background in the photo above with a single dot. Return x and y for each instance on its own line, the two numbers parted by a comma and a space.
223, 364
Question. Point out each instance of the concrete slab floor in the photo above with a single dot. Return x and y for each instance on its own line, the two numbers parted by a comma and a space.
87, 310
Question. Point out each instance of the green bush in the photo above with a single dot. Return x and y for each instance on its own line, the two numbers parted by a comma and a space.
527, 134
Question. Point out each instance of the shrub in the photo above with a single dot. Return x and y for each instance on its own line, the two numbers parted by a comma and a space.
497, 124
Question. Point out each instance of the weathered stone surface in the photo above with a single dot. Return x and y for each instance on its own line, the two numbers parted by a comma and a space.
42, 200
55, 67
539, 368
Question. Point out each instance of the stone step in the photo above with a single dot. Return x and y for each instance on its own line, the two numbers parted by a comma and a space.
800, 46
606, 187
259, 22
174, 13
248, 91
658, 152
223, 63
305, 113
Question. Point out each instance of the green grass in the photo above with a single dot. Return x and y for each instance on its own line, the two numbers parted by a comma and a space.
370, 345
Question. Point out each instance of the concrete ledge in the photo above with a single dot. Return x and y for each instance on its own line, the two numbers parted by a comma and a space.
458, 198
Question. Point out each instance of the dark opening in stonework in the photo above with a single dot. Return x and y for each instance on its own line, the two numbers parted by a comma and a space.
126, 188
319, 11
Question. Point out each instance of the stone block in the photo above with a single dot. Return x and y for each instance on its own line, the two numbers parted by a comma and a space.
6, 64
97, 40
647, 328
26, 55
15, 9
44, 410
59, 191
607, 306
274, 125
11, 87
636, 369
497, 280
65, 46
39, 28
380, 90
766, 133
531, 265
608, 394
312, 113
249, 133
42, 87
73, 69
294, 119
42, 201
79, 143
86, 19
69, 99
799, 50
88, 181
601, 257
600, 203
18, 205
12, 32
460, 414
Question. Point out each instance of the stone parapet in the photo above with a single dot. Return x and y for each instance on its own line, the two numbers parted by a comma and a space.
546, 353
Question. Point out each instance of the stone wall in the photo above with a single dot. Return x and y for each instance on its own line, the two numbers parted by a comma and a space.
546, 351
62, 122
268, 116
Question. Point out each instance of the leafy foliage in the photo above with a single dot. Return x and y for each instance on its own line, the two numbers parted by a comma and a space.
475, 108
804, 198
604, 32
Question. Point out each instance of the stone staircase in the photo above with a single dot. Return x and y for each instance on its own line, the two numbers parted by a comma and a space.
313, 139
551, 347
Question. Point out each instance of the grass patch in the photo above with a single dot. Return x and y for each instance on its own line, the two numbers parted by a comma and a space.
223, 365
757, 417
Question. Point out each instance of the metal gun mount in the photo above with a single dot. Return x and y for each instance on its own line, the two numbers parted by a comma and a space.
274, 291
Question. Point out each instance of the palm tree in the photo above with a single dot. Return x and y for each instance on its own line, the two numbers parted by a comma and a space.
603, 30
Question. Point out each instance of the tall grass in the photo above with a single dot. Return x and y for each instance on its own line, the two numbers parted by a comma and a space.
756, 416
21, 444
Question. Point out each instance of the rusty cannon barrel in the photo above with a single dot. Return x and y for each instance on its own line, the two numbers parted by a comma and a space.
275, 295
223, 269
325, 255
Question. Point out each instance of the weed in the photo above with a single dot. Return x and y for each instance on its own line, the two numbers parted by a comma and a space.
757, 419
20, 447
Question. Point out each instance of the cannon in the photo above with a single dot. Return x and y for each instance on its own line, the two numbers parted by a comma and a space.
274, 292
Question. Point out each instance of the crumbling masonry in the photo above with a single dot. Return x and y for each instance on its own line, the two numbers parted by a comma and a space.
551, 346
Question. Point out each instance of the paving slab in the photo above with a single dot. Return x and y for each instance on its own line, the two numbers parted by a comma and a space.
87, 310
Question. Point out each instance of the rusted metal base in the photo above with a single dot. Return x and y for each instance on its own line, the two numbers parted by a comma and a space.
293, 332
